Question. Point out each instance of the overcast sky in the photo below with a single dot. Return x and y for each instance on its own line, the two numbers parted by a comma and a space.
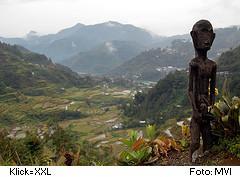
164, 17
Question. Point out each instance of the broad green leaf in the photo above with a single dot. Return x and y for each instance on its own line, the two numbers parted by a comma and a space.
127, 142
151, 131
133, 135
239, 120
225, 118
227, 100
216, 111
224, 107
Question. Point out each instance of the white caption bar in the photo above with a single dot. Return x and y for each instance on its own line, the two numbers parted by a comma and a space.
107, 171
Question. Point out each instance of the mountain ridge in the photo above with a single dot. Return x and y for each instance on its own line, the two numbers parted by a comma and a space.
79, 38
168, 98
104, 57
144, 65
21, 69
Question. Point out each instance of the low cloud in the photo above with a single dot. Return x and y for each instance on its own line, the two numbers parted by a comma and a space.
166, 17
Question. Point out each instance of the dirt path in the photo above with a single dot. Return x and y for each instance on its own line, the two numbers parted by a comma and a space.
214, 158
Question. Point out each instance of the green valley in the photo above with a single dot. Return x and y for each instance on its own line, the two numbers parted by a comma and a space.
58, 117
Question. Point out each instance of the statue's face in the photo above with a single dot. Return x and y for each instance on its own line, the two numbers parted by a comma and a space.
203, 36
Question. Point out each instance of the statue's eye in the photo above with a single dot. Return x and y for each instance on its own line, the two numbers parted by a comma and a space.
204, 30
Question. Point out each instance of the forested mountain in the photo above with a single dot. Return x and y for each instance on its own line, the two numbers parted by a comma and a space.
151, 64
91, 49
104, 57
21, 68
155, 64
81, 38
168, 99
230, 61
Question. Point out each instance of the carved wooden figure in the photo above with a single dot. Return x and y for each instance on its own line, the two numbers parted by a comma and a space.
202, 76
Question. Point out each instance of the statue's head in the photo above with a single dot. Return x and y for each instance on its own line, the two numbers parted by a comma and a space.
202, 35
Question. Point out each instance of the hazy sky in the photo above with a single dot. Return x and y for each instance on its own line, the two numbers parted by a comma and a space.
164, 17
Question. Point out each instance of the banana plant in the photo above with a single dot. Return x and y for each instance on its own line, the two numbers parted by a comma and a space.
137, 150
141, 151
226, 111
151, 132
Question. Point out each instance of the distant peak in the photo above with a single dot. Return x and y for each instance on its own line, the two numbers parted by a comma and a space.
111, 23
72, 29
236, 26
79, 25
32, 34
114, 22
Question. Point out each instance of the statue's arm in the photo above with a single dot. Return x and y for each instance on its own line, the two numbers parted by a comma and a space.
213, 84
191, 82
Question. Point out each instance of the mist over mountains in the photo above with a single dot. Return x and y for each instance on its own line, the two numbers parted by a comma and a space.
21, 68
121, 50
80, 38
155, 64
104, 57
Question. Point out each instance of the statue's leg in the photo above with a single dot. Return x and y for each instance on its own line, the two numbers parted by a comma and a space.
206, 135
195, 136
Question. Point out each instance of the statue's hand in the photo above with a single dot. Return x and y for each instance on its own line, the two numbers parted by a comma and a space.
197, 116
203, 108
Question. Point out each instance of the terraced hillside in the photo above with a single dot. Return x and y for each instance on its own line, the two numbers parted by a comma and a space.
21, 68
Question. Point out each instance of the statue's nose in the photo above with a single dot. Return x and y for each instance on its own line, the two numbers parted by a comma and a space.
207, 43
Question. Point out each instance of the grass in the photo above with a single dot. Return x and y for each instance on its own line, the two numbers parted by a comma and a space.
97, 103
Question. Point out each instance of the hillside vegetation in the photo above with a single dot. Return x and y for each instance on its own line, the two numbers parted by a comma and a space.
168, 99
104, 57
21, 68
157, 63
51, 116
82, 38
230, 61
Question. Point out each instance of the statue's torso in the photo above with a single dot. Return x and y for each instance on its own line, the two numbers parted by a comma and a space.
202, 73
